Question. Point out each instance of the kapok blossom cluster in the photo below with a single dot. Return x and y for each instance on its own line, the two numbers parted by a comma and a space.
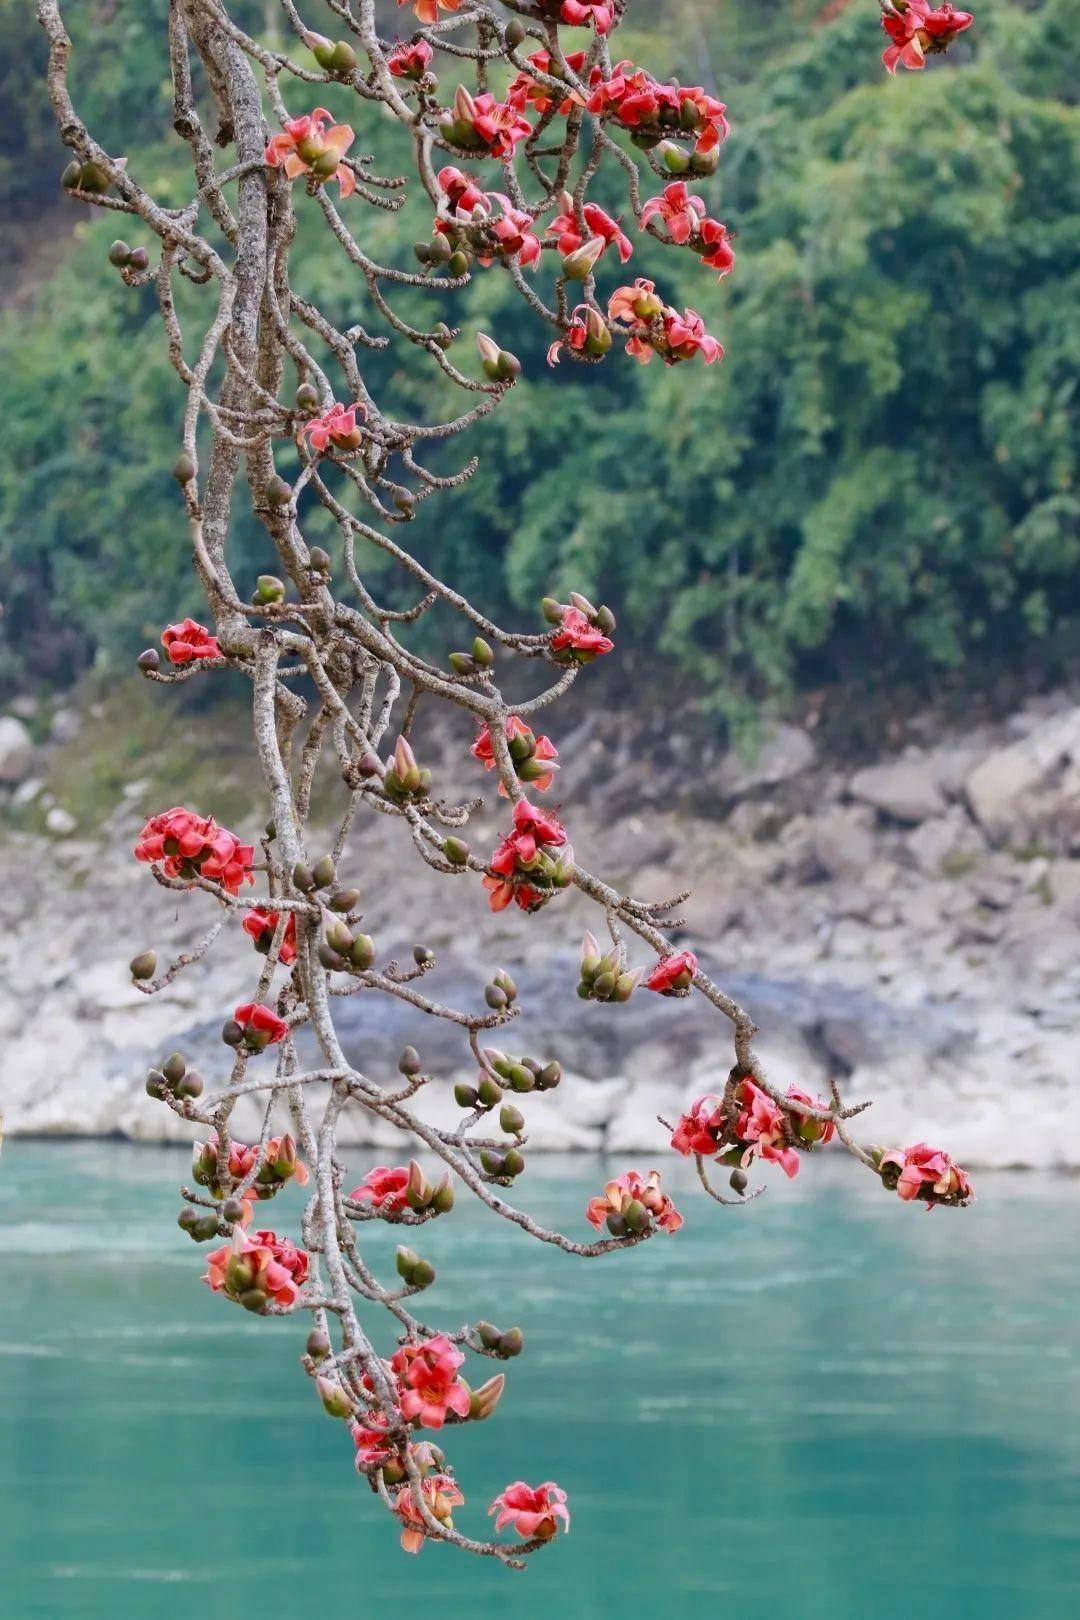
532, 863
915, 27
533, 758
657, 328
582, 632
189, 642
924, 1172
258, 1270
306, 147
484, 125
271, 1168
747, 1124
633, 1203
187, 845
651, 110
262, 925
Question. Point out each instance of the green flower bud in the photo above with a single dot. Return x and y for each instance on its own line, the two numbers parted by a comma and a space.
483, 653
488, 1335
512, 1342
514, 33
362, 953
423, 1274
307, 399
329, 958
187, 1218
423, 956
343, 58
489, 1092
521, 1078
233, 1210
465, 1096
119, 254
319, 560
143, 966
495, 998
407, 1261
636, 1216
268, 588
462, 663
174, 1068
183, 468
549, 1076
278, 492
456, 851
344, 900
511, 1120
491, 1161
303, 878
318, 1345
156, 1085
204, 1228
323, 872
513, 1162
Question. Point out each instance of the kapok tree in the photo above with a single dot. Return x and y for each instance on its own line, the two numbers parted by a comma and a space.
507, 162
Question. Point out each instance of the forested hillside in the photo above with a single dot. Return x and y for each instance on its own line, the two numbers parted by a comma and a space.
878, 483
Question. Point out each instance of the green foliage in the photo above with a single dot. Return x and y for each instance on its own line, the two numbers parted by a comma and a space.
880, 481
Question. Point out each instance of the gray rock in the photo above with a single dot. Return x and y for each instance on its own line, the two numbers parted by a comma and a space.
841, 842
60, 822
16, 750
785, 751
906, 789
66, 725
998, 789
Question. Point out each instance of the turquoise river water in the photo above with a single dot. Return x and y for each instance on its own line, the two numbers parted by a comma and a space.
823, 1407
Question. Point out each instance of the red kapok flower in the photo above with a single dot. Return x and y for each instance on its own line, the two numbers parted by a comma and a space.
461, 191
385, 1188
512, 233
588, 333
279, 1165
632, 1203
580, 637
257, 1269
525, 91
306, 148
580, 13
482, 121
440, 1491
925, 1172
681, 213
531, 863
261, 1025
188, 641
652, 110
188, 845
762, 1124
261, 925
370, 1437
428, 10
598, 224
336, 426
700, 1129
428, 1384
806, 1126
533, 757
410, 61
915, 28
533, 1510
672, 974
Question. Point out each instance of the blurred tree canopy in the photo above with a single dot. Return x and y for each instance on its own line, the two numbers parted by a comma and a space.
879, 483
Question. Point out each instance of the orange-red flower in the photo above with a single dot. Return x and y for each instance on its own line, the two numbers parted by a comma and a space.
188, 845
305, 147
187, 641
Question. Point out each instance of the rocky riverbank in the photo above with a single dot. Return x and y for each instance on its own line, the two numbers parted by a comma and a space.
911, 927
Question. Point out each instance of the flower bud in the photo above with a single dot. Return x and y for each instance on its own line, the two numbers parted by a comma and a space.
489, 352
603, 985
143, 966
338, 937
149, 661
155, 1084
549, 1076
362, 952
488, 1092
483, 653
423, 956
233, 1210
462, 663
231, 1033
278, 492
329, 958
605, 620
705, 162
343, 58
457, 264
552, 610
191, 1085
636, 1215
409, 1061
514, 33
737, 1181
511, 1120
423, 1274
513, 1162
512, 1342
521, 1078
578, 266
268, 588
484, 1400
254, 1299
69, 179
465, 1096
616, 1225
187, 1218
674, 158
343, 900
323, 872
319, 560
307, 398
183, 468
318, 1345
174, 1068
337, 1403
119, 254
417, 1188
303, 878
506, 984
321, 48
406, 1261
491, 1161
442, 1197
205, 1228
464, 105
495, 998
456, 851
